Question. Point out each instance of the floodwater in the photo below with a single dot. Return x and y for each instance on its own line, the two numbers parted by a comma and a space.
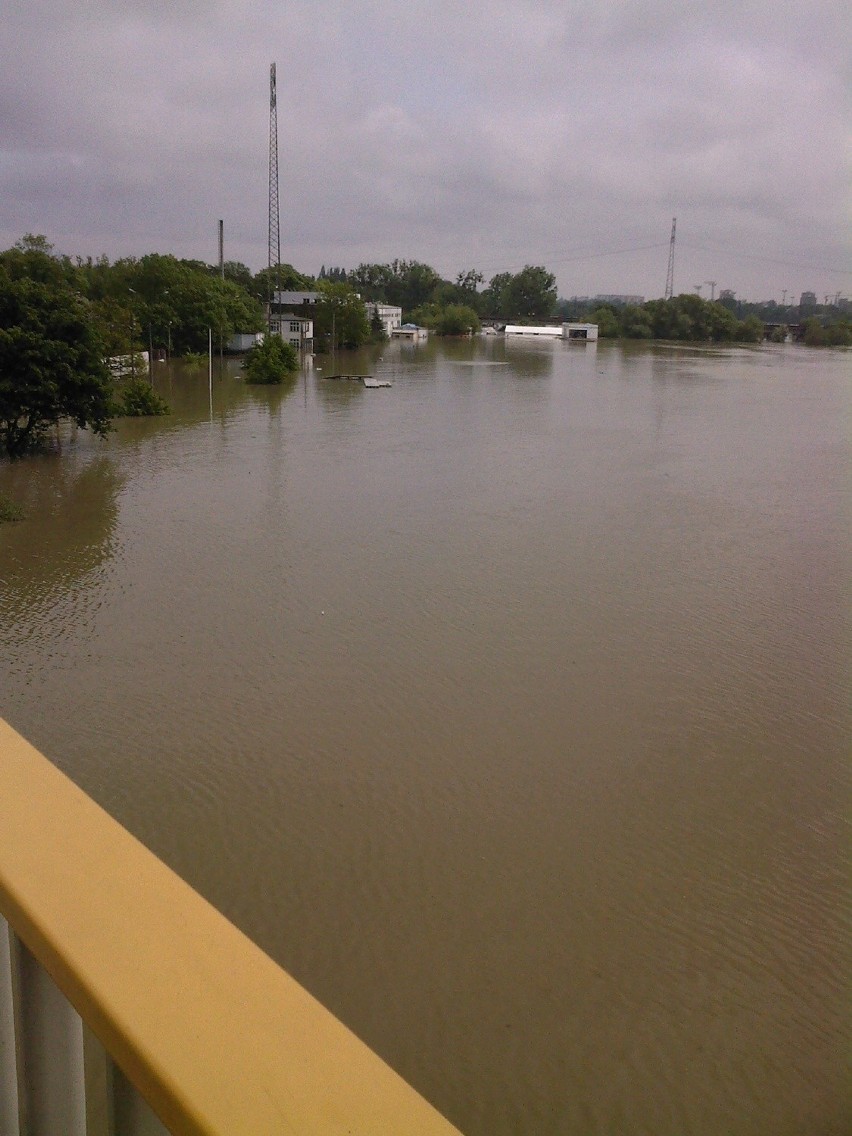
508, 708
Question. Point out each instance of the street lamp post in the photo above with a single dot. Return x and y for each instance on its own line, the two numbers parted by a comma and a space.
132, 354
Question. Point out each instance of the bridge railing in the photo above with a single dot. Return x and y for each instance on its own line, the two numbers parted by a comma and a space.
130, 1006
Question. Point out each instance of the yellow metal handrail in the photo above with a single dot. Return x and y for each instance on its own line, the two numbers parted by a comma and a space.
216, 1037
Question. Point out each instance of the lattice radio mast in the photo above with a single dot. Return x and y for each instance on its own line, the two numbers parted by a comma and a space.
274, 212
670, 273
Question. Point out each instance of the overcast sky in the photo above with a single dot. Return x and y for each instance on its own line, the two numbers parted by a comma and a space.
466, 135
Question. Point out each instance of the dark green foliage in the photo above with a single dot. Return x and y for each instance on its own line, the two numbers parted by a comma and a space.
51, 360
377, 329
750, 330
270, 361
138, 399
607, 323
693, 320
285, 278
635, 322
167, 303
528, 295
340, 319
406, 283
333, 275
456, 319
818, 334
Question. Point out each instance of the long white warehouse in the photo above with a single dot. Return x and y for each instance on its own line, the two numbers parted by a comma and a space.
586, 332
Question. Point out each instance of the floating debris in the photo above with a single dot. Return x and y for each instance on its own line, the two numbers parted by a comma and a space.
368, 380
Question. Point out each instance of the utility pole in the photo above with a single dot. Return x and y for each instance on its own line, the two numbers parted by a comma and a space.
222, 277
274, 241
697, 288
712, 284
784, 297
670, 272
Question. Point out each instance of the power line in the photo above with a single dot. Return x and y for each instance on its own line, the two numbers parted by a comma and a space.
556, 259
769, 259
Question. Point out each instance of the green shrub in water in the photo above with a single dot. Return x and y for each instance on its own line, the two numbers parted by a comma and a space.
270, 361
138, 399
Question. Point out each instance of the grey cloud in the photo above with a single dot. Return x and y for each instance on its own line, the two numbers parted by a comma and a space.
497, 133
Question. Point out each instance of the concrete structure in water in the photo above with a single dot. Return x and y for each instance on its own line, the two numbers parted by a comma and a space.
575, 332
411, 332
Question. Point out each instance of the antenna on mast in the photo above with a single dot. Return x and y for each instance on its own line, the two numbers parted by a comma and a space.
670, 273
274, 241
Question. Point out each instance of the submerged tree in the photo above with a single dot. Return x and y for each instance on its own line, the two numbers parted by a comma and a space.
51, 364
270, 361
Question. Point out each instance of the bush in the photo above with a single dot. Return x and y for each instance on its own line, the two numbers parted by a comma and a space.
456, 319
606, 321
270, 361
138, 399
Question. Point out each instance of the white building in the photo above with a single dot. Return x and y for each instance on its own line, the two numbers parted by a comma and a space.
390, 316
244, 340
554, 330
294, 329
411, 332
587, 332
580, 332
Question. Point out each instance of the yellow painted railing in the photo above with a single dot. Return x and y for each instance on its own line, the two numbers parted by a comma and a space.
214, 1035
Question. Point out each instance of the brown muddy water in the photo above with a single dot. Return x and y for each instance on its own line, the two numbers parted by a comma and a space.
508, 708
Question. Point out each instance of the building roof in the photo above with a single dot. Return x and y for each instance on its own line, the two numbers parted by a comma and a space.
295, 297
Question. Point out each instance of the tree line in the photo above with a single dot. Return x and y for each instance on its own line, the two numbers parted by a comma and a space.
687, 318
61, 319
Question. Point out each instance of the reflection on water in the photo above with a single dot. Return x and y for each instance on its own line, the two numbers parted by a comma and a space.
507, 707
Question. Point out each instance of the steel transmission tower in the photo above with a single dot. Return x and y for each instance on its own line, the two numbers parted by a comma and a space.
274, 212
670, 273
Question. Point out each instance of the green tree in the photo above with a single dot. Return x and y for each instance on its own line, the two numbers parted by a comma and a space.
138, 399
284, 278
270, 361
33, 258
239, 273
750, 330
493, 301
468, 282
161, 301
51, 364
606, 321
528, 294
371, 282
531, 293
377, 329
340, 318
406, 283
456, 319
635, 322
